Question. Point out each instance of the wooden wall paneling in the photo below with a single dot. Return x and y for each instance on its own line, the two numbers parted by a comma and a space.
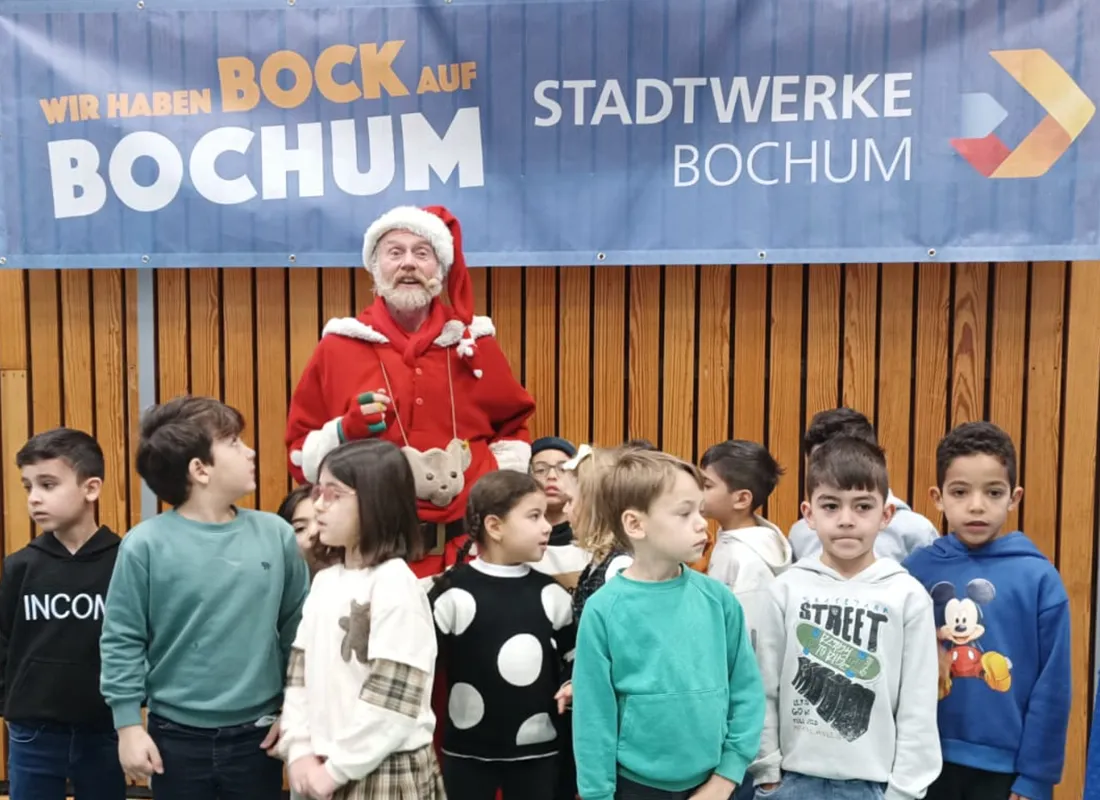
205, 332
712, 410
14, 408
858, 367
895, 374
479, 276
364, 289
678, 364
930, 392
971, 307
785, 389
1077, 520
273, 479
644, 356
109, 309
45, 341
133, 401
750, 330
822, 338
508, 303
78, 405
303, 302
337, 298
173, 356
1007, 370
1039, 511
575, 354
238, 333
609, 357
540, 356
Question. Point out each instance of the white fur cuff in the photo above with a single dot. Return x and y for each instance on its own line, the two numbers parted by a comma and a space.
317, 445
511, 454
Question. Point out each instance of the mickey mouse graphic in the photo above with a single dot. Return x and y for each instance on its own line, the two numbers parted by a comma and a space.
959, 625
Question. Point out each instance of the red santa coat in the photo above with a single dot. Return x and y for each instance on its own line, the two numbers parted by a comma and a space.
490, 411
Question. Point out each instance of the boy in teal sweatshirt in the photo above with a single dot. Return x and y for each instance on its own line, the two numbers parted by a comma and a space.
201, 613
668, 701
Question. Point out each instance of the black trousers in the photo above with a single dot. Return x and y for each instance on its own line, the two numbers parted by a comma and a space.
957, 782
470, 779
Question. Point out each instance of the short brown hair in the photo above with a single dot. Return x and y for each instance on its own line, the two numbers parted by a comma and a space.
848, 463
386, 493
633, 481
174, 433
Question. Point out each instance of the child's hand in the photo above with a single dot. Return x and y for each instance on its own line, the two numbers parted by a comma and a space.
717, 788
137, 753
564, 697
319, 783
298, 773
270, 744
767, 787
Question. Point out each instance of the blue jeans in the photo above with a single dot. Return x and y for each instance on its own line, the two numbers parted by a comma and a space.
796, 786
42, 757
214, 763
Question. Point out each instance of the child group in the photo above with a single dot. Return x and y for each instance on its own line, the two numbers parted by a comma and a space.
884, 662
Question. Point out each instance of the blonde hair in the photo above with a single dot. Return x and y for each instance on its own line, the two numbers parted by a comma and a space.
590, 529
634, 481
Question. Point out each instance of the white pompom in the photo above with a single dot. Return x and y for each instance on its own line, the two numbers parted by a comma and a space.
296, 458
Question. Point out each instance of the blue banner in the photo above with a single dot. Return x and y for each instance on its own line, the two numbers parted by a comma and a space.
228, 133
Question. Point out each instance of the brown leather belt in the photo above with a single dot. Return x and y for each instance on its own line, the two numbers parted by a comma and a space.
437, 534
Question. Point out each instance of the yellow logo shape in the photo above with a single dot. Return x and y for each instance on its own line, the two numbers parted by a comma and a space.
1068, 109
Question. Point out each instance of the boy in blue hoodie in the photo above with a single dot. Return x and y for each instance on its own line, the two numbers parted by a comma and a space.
202, 611
1004, 625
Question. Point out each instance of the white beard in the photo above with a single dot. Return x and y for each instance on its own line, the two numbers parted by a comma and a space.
406, 297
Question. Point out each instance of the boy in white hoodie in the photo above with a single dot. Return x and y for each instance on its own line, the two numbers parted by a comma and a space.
848, 651
749, 551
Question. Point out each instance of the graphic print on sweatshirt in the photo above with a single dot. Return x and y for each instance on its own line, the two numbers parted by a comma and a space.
837, 663
959, 626
356, 628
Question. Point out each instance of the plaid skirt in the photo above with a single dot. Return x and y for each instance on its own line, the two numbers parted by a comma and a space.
412, 775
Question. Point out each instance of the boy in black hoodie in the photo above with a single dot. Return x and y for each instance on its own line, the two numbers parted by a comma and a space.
51, 613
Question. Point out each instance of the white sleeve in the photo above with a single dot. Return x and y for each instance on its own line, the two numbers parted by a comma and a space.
617, 565
558, 606
724, 566
771, 646
295, 741
401, 656
917, 759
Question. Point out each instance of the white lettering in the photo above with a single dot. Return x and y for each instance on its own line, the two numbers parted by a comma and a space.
853, 96
345, 157
611, 102
426, 152
752, 169
307, 159
828, 163
204, 169
893, 93
578, 88
870, 148
78, 188
643, 117
781, 97
812, 161
819, 92
718, 148
689, 85
164, 188
543, 101
61, 606
88, 603
739, 92
682, 165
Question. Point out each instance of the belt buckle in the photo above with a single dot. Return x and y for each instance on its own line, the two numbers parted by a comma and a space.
440, 544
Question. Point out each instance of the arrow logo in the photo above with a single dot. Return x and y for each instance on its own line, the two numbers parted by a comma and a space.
1068, 112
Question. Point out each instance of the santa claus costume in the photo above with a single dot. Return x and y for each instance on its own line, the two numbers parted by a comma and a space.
454, 405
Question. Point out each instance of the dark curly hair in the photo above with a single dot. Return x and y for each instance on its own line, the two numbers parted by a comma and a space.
976, 438
834, 422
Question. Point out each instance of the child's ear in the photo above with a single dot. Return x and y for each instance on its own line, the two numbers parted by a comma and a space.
199, 472
887, 515
92, 488
1016, 497
742, 499
494, 527
937, 497
808, 514
633, 523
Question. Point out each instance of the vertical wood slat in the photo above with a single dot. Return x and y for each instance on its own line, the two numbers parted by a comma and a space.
43, 289
645, 353
237, 333
133, 402
750, 323
930, 397
785, 421
508, 315
895, 372
1077, 521
608, 362
822, 335
14, 408
540, 353
1006, 373
479, 276
271, 387
712, 420
678, 373
205, 318
1044, 398
860, 311
304, 322
76, 350
574, 354
969, 362
110, 394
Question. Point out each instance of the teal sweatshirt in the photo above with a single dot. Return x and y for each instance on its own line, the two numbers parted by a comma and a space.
666, 691
200, 619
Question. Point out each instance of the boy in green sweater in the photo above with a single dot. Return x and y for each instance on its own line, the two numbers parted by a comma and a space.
668, 701
200, 615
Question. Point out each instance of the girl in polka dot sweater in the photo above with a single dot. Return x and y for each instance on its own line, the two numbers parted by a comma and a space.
505, 632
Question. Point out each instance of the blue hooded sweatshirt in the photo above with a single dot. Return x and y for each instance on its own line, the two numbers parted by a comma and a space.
1003, 615
1092, 766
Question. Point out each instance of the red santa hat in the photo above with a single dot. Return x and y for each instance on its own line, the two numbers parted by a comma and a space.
440, 227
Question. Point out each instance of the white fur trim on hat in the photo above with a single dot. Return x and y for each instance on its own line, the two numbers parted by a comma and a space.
415, 220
